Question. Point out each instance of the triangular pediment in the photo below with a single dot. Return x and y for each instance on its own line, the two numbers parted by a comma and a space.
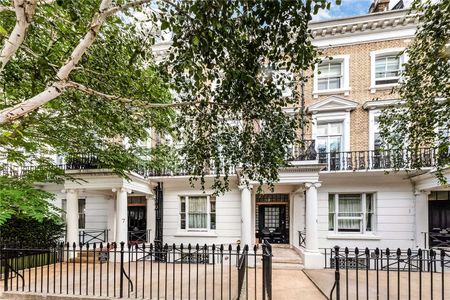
333, 103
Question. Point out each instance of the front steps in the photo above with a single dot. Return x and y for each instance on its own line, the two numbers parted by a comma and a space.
88, 257
285, 258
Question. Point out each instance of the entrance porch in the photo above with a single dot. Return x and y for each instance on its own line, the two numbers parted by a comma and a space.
113, 209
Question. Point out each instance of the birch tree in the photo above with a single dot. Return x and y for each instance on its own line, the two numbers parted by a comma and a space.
77, 76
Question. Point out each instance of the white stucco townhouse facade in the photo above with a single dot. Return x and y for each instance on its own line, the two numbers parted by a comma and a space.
340, 194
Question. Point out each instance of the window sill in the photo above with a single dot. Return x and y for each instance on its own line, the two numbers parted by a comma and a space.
373, 89
345, 91
347, 236
196, 233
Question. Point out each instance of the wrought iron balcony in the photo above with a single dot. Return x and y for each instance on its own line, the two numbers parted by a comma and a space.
364, 160
301, 151
376, 160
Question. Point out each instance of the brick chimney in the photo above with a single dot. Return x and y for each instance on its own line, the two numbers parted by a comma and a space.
379, 6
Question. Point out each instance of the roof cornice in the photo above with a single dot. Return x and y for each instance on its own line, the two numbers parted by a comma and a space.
398, 19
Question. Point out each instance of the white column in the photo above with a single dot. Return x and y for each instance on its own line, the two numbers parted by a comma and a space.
246, 215
111, 219
312, 257
421, 213
121, 215
298, 215
312, 239
72, 217
151, 217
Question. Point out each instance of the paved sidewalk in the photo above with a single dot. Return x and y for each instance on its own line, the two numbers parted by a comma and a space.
293, 284
325, 280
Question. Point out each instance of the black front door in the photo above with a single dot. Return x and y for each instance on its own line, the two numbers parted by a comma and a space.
137, 223
272, 224
439, 223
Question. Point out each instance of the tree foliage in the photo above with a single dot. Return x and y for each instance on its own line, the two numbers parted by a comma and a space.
422, 119
83, 80
234, 58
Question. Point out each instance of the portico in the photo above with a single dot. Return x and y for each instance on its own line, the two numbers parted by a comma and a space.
108, 197
278, 214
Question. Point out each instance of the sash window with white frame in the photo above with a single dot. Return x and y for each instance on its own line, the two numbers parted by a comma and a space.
351, 213
387, 66
197, 213
330, 76
388, 69
329, 137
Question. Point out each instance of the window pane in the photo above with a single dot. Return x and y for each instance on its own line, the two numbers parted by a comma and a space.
349, 205
335, 144
334, 83
335, 69
369, 212
322, 84
322, 145
81, 213
183, 212
212, 209
349, 225
323, 70
335, 128
331, 211
322, 129
197, 212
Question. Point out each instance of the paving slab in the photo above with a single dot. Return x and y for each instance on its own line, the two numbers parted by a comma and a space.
369, 289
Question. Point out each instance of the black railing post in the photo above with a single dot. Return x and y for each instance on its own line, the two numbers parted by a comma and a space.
267, 270
6, 273
337, 275
122, 245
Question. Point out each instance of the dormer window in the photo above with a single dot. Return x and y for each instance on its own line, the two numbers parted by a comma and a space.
332, 76
386, 68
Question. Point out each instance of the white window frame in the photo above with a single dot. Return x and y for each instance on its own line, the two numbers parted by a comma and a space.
373, 115
208, 214
362, 217
385, 52
336, 117
345, 82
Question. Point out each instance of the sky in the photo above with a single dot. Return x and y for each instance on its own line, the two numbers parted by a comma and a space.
348, 8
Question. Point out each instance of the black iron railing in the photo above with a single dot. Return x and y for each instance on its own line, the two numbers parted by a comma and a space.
93, 236
380, 274
303, 150
139, 271
302, 239
139, 236
376, 160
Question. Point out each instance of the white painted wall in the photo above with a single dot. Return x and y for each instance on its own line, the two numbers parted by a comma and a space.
228, 220
395, 210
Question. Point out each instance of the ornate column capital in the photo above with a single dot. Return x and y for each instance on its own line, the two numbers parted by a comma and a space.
316, 185
421, 192
121, 189
149, 197
244, 186
70, 191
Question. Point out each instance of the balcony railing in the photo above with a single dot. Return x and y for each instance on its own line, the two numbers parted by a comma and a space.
302, 151
376, 160
305, 151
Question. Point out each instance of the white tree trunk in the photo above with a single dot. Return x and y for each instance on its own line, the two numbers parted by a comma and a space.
105, 10
24, 14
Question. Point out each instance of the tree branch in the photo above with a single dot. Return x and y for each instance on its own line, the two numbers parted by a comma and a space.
6, 8
89, 91
24, 15
105, 10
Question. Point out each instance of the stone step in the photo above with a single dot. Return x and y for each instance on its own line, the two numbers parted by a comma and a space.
287, 266
84, 260
287, 260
